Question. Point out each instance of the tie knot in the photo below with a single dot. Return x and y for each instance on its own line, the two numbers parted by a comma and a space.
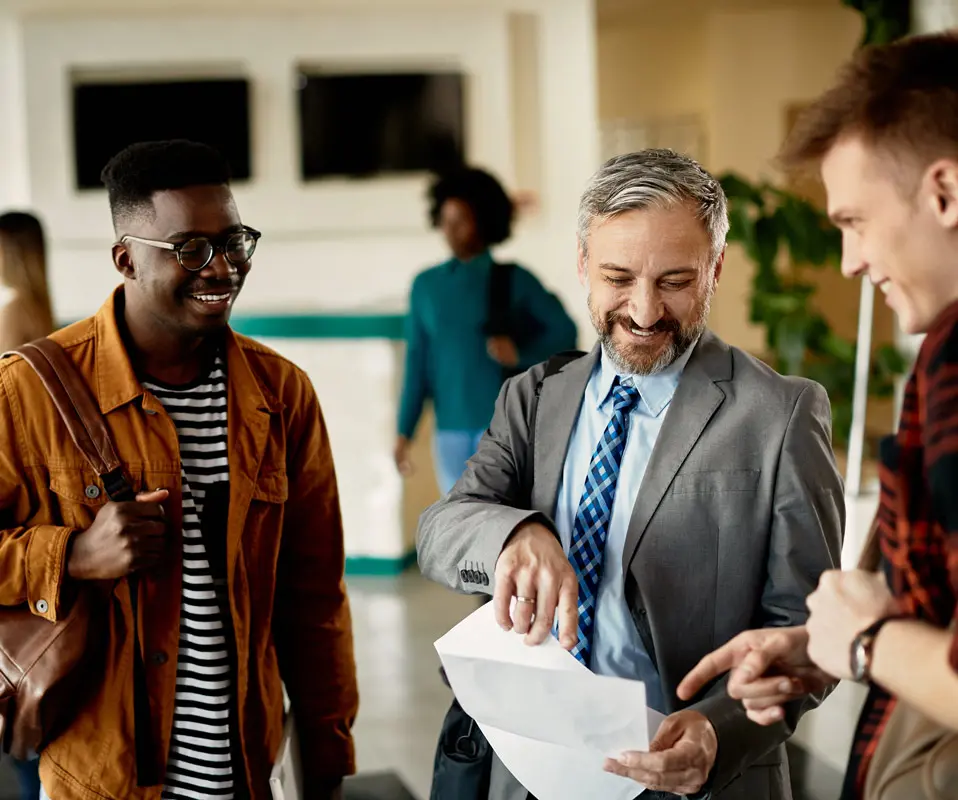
624, 394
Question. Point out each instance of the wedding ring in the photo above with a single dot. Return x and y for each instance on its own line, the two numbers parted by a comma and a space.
526, 599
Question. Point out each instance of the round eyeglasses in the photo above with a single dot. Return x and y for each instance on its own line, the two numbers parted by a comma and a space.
197, 252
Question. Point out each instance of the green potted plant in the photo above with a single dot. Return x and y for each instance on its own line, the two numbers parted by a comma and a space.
782, 232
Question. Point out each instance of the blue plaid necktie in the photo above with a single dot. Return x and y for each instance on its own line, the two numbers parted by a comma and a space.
595, 511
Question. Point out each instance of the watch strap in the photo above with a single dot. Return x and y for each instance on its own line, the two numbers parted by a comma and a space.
867, 637
877, 625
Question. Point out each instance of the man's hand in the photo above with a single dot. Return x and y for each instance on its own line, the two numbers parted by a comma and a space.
124, 538
843, 605
680, 757
534, 568
503, 350
769, 667
401, 456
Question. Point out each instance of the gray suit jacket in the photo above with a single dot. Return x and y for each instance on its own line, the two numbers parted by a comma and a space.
740, 510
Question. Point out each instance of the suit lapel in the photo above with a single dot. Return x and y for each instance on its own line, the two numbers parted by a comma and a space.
696, 400
559, 404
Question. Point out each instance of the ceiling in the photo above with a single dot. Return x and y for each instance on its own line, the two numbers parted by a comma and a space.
635, 11
31, 7
618, 11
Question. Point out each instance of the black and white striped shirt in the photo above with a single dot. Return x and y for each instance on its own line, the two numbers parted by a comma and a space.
200, 761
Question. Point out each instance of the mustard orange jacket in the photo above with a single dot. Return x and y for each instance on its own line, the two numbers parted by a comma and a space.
284, 560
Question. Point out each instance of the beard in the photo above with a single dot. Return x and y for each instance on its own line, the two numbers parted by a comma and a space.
635, 358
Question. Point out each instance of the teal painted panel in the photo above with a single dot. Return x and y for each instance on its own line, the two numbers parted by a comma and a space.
320, 326
315, 326
374, 566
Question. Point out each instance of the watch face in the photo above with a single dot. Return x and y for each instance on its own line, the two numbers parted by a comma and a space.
859, 660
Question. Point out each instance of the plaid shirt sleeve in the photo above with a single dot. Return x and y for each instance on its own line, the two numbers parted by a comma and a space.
940, 440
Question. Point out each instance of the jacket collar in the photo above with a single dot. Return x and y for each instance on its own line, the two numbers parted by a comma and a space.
116, 381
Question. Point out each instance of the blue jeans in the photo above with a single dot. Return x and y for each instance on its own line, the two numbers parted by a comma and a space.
29, 774
452, 450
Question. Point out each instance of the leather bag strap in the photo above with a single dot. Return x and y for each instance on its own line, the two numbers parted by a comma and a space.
81, 415
79, 411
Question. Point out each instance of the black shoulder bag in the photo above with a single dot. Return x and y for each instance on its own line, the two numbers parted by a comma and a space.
463, 758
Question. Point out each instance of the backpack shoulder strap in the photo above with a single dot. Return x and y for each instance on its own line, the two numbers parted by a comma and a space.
499, 301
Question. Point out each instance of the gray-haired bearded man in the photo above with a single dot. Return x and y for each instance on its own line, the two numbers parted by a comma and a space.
656, 496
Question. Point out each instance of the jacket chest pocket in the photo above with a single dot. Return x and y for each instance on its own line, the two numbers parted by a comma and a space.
79, 494
711, 482
265, 517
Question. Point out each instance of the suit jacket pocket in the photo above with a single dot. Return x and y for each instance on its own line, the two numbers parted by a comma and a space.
716, 481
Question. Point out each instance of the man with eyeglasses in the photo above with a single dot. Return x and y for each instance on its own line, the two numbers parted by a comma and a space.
235, 539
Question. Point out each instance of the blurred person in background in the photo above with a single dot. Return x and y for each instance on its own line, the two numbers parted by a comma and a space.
25, 310
886, 140
25, 315
471, 323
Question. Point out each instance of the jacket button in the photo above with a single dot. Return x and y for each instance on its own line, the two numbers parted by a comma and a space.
91, 491
42, 606
159, 658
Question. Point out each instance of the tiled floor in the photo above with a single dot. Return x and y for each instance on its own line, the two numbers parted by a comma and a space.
403, 699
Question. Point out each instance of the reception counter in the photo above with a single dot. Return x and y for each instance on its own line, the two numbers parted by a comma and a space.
355, 364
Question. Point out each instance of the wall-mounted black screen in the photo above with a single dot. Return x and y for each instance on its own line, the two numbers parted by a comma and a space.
109, 116
372, 124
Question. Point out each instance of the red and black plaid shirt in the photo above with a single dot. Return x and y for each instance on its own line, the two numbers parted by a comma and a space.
918, 515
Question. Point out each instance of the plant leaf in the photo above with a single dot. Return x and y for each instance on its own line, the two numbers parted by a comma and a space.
738, 188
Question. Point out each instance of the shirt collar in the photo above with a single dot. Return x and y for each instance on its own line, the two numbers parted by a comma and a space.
117, 383
655, 391
483, 259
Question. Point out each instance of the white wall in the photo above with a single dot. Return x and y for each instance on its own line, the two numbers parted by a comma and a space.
14, 174
531, 116
340, 244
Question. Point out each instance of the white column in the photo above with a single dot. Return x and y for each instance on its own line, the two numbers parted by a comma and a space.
856, 439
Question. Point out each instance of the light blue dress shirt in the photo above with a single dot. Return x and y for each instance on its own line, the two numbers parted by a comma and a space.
617, 648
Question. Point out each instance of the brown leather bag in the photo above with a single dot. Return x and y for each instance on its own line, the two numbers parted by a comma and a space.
45, 666
915, 758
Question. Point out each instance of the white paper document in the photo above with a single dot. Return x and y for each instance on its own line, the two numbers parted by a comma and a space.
550, 720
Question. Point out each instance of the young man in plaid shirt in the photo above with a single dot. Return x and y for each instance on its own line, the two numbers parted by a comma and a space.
886, 140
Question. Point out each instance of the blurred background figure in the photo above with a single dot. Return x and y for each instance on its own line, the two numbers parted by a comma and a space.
25, 310
472, 323
25, 315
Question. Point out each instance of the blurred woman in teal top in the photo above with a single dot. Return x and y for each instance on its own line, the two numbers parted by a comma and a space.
450, 357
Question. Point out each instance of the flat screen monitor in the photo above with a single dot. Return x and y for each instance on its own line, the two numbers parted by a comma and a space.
361, 125
108, 117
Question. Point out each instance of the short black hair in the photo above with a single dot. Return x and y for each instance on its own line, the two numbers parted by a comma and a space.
492, 207
134, 174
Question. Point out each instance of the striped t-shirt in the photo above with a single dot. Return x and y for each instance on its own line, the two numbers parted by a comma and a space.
200, 761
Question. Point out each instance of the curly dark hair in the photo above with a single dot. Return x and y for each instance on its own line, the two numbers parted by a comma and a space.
134, 174
492, 207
